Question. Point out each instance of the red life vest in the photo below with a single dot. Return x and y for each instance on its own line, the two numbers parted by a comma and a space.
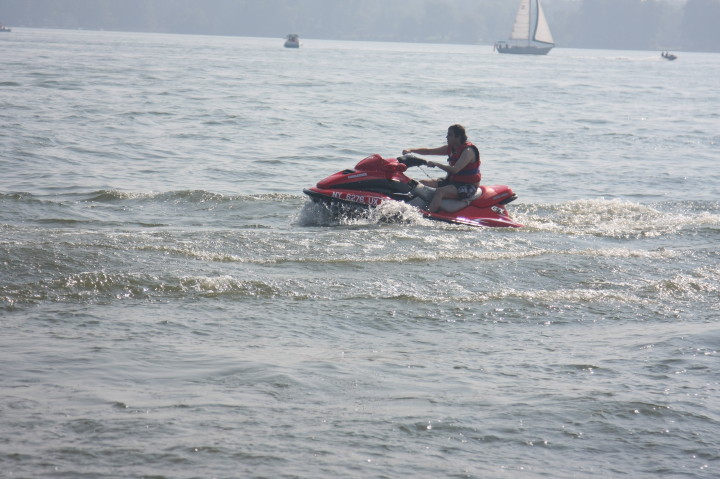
471, 172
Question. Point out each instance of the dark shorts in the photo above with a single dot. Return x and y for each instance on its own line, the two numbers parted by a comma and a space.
464, 190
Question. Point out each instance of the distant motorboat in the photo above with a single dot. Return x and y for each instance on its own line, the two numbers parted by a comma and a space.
531, 32
3, 28
292, 40
668, 56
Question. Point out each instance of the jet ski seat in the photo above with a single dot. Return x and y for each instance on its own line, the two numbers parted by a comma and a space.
451, 206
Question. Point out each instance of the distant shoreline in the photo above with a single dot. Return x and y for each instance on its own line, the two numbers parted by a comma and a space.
280, 37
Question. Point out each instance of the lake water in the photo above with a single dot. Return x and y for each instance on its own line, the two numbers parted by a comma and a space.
174, 307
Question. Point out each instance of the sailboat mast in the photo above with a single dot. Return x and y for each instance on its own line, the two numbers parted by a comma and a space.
530, 22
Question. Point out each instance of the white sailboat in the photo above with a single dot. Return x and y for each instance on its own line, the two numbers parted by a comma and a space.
531, 32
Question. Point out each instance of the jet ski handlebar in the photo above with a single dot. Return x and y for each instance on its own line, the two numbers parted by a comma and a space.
411, 160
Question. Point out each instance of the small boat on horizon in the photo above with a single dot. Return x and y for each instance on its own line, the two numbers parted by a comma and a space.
668, 56
292, 40
3, 28
531, 32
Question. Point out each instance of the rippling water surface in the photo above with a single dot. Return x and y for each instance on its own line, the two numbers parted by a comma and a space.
173, 306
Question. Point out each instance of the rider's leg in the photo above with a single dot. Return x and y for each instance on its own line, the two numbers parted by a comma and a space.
448, 191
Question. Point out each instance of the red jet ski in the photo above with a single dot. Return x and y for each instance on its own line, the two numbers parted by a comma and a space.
376, 180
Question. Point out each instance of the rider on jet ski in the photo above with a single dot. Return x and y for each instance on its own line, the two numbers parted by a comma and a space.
463, 168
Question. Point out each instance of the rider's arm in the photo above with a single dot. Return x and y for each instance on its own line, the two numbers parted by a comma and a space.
440, 150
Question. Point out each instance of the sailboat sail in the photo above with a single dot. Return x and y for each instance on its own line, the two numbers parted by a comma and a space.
542, 29
521, 28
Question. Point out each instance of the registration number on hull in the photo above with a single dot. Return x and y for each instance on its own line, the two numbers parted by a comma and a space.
355, 198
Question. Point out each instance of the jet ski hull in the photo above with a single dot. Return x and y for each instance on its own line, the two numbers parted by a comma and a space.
492, 216
376, 180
